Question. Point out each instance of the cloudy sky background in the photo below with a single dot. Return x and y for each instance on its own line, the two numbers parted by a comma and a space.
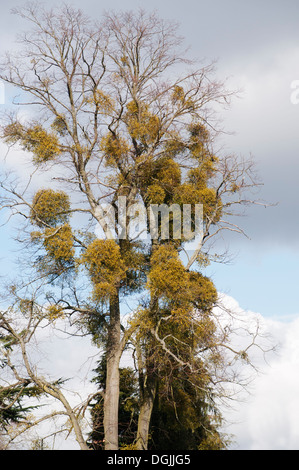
256, 45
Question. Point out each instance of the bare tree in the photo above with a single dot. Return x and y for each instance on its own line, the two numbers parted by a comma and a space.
19, 327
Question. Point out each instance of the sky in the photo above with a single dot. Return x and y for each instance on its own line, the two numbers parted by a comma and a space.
256, 46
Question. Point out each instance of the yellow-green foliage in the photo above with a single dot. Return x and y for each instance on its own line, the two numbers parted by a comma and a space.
198, 132
181, 315
203, 260
185, 319
142, 321
58, 242
180, 98
102, 259
42, 144
200, 175
49, 207
202, 291
142, 125
174, 145
155, 194
131, 256
167, 278
168, 173
198, 139
204, 331
186, 193
178, 94
146, 173
134, 260
54, 312
212, 205
158, 179
103, 102
114, 148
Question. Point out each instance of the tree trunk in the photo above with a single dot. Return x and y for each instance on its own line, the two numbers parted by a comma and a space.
111, 398
145, 413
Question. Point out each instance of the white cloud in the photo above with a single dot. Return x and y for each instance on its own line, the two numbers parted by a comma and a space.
269, 418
